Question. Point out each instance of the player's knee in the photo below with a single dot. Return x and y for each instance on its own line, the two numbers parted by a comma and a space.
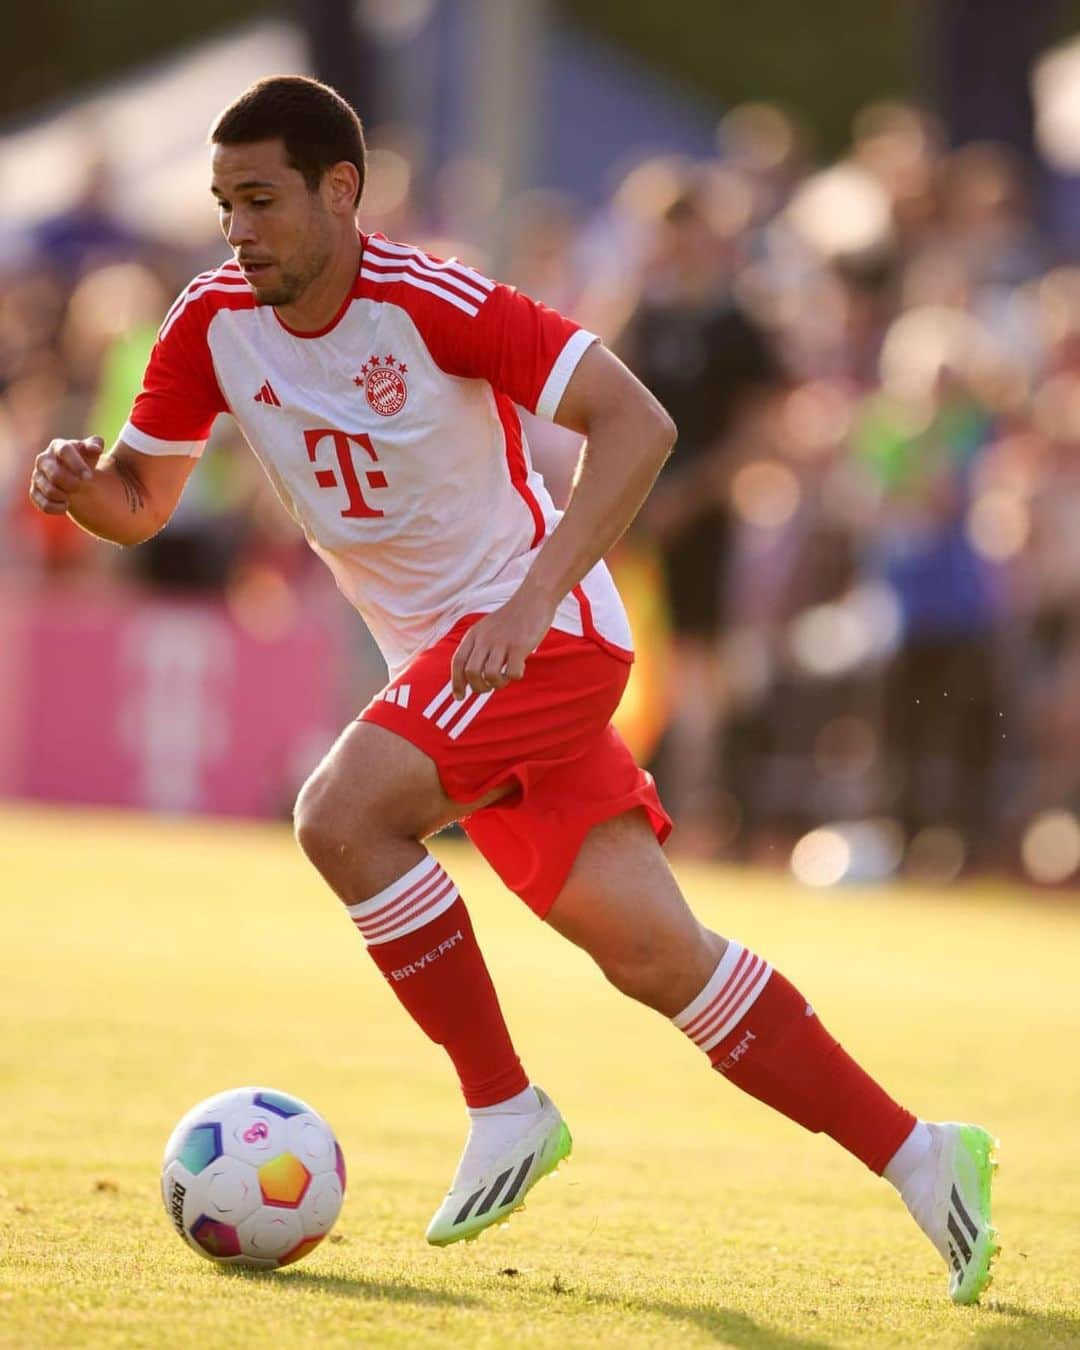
309, 823
318, 825
339, 823
639, 968
661, 969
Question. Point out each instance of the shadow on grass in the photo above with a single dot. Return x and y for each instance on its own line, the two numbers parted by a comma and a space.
1035, 1329
1026, 1328
731, 1328
725, 1325
340, 1286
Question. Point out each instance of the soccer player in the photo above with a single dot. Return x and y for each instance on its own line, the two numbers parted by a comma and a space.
379, 388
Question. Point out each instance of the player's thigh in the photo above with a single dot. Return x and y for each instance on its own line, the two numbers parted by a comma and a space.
374, 781
623, 905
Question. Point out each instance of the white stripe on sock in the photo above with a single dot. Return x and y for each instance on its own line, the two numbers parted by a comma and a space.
426, 903
716, 982
721, 1030
731, 992
415, 899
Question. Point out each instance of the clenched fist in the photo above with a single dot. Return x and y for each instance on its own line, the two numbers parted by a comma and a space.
61, 471
494, 650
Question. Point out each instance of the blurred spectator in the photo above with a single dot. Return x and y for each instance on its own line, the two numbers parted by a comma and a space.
869, 529
91, 232
711, 368
921, 437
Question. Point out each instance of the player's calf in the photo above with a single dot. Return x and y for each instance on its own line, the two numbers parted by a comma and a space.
762, 1034
418, 932
624, 907
359, 819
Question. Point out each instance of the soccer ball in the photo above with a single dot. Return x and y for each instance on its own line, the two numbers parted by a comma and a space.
253, 1178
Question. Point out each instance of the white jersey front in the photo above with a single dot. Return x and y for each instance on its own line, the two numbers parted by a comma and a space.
391, 435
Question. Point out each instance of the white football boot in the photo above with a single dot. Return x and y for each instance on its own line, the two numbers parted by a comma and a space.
949, 1198
491, 1183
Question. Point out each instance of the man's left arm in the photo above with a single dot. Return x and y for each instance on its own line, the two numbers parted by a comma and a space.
629, 438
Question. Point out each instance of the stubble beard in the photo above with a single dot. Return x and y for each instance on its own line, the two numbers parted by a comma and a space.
294, 282
287, 290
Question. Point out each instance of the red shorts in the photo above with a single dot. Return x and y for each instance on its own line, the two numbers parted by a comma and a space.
548, 734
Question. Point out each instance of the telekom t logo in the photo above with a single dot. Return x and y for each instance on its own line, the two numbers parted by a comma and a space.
357, 508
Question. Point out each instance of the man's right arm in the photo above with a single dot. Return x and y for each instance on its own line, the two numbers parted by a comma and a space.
124, 496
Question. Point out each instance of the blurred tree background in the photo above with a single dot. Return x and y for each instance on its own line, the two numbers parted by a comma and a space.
829, 59
56, 49
824, 60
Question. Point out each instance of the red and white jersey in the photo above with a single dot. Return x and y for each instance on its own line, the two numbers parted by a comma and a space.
391, 435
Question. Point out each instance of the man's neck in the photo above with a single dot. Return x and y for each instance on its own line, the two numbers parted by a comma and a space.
323, 299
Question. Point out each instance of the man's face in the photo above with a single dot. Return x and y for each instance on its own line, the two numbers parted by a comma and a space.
280, 232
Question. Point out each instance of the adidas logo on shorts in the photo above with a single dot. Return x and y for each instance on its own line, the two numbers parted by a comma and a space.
452, 715
398, 694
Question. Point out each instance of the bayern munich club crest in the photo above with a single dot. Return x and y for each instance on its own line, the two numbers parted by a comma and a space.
383, 382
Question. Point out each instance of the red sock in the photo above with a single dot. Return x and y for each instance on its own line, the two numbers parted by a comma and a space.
419, 935
760, 1032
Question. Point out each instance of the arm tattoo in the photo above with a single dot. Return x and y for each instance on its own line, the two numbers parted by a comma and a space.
132, 484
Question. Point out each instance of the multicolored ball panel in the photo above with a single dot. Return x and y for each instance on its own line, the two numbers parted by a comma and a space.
284, 1180
200, 1148
216, 1238
301, 1249
280, 1103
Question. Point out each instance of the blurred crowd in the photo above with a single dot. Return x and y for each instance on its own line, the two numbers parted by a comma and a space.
856, 586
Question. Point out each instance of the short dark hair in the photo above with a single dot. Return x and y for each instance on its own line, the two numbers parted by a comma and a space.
318, 127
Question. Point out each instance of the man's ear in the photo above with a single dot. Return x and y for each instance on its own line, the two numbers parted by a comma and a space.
342, 181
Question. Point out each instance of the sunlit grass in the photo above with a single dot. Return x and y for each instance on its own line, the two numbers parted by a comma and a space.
147, 964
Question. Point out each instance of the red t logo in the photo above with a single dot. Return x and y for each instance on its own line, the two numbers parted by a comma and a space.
327, 478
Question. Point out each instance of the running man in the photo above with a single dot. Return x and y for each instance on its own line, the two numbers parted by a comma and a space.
379, 387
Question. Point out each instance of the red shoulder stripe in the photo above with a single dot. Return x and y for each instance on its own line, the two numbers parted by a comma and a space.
227, 280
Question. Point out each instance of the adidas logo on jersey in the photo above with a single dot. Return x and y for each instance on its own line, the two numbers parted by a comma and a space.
266, 395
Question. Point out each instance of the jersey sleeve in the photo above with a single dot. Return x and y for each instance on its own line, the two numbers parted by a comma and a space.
180, 396
482, 329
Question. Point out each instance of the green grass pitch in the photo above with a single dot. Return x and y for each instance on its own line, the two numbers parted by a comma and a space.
147, 964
